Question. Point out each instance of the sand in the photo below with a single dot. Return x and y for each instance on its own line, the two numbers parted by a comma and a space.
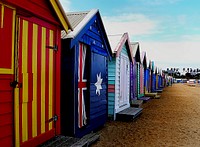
173, 120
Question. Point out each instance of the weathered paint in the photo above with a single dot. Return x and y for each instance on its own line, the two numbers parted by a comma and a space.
83, 113
30, 67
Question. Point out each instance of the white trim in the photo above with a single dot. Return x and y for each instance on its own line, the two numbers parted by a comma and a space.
82, 24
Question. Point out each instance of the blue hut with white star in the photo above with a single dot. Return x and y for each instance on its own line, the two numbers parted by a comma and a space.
84, 81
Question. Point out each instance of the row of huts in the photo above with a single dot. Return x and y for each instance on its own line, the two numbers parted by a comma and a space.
60, 73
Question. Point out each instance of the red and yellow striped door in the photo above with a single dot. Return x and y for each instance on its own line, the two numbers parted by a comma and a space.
35, 95
7, 30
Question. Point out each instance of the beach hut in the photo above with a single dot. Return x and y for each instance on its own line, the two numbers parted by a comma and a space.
139, 65
84, 79
134, 70
30, 71
146, 72
160, 81
119, 75
153, 77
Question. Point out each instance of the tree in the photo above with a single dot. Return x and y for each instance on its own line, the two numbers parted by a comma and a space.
188, 75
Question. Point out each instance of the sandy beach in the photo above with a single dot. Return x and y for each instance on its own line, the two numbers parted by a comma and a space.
172, 120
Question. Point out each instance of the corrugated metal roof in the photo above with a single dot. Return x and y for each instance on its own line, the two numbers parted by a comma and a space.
78, 20
76, 17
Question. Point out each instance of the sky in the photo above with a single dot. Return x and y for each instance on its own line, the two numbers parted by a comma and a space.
168, 30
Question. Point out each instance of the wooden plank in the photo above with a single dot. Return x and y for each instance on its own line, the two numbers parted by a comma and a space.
145, 99
136, 103
129, 114
86, 140
159, 90
152, 95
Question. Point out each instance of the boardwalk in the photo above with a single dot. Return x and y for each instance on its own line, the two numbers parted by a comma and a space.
172, 120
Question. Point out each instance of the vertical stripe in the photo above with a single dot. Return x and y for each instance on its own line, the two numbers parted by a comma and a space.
2, 15
13, 40
34, 70
25, 81
50, 78
39, 37
16, 90
80, 90
43, 58
16, 111
20, 76
30, 78
47, 83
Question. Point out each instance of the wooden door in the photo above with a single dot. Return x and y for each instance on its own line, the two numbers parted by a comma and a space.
98, 88
35, 94
124, 82
7, 30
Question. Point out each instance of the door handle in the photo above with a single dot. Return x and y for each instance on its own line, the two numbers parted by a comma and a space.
15, 83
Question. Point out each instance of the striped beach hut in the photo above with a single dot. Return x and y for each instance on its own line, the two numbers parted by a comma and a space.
119, 74
135, 87
30, 71
142, 79
84, 78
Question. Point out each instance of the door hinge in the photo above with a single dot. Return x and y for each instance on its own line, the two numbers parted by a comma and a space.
54, 118
55, 47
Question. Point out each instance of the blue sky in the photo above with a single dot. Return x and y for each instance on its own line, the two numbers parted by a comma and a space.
168, 30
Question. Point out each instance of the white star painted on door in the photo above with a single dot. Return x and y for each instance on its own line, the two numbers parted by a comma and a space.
98, 84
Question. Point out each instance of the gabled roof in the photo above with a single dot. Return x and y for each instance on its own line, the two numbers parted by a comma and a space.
136, 51
152, 66
76, 17
60, 14
81, 22
78, 21
118, 41
144, 59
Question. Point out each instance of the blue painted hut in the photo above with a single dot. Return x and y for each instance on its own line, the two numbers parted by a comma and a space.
153, 77
85, 55
160, 81
146, 72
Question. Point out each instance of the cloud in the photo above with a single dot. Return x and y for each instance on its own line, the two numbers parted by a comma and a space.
170, 54
134, 24
66, 5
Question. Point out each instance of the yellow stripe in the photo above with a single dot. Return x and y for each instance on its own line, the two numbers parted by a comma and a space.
50, 78
59, 14
25, 82
43, 60
2, 15
16, 108
16, 91
34, 69
13, 39
6, 70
